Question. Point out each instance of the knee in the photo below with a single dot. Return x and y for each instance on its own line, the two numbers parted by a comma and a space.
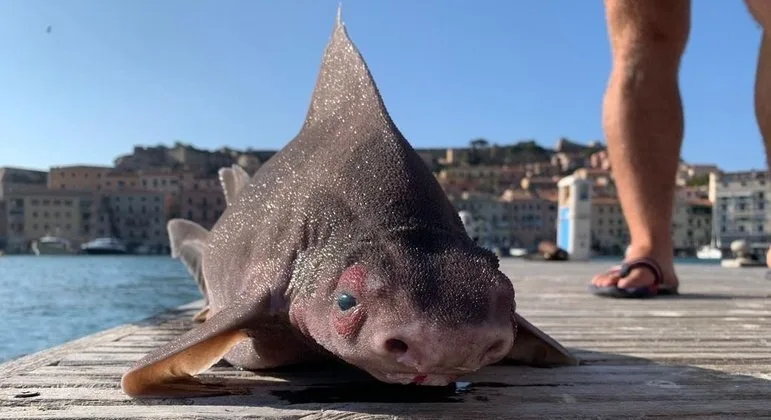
650, 45
760, 11
644, 59
651, 33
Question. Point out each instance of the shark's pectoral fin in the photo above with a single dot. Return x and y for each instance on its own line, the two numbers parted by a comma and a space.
170, 370
534, 347
174, 376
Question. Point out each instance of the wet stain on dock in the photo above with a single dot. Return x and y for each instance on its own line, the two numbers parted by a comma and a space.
378, 392
369, 392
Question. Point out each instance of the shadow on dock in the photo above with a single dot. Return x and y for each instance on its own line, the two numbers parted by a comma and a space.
604, 379
685, 382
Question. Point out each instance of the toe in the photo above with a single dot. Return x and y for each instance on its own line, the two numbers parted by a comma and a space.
606, 279
638, 277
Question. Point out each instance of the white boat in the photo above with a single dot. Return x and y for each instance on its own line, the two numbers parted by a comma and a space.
104, 246
710, 252
517, 252
52, 245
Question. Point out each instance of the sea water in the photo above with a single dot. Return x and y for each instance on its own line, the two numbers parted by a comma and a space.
49, 300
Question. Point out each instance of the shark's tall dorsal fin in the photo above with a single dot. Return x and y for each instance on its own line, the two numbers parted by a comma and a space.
345, 89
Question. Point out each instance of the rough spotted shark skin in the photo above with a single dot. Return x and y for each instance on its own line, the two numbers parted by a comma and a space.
343, 245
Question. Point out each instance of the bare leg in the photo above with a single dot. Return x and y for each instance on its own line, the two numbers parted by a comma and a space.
761, 10
643, 122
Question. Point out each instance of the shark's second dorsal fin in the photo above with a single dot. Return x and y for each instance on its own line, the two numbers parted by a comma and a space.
233, 180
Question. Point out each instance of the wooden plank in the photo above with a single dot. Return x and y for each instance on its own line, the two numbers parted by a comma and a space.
706, 354
515, 377
658, 390
559, 407
55, 354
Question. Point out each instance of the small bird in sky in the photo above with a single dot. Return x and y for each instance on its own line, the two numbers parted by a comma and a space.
48, 29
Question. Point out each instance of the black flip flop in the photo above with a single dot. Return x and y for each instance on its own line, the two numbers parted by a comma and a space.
624, 269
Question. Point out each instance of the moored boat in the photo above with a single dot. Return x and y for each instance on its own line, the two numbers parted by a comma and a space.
52, 245
104, 246
708, 252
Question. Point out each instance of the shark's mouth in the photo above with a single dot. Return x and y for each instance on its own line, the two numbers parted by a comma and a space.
429, 379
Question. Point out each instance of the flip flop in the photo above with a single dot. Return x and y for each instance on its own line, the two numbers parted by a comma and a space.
623, 270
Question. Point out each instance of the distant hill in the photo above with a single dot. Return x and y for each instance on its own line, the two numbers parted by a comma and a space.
185, 156
480, 151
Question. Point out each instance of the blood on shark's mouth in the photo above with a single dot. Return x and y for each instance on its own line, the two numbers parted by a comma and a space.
419, 379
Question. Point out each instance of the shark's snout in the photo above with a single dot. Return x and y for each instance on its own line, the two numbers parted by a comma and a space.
433, 350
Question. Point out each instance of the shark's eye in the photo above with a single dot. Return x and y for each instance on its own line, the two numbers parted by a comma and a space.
346, 302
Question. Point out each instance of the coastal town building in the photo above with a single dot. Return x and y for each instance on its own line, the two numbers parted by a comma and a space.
516, 219
532, 216
77, 177
568, 162
691, 224
73, 215
688, 173
167, 182
539, 183
138, 218
16, 180
193, 181
600, 160
202, 206
699, 224
120, 180
510, 192
80, 203
484, 211
600, 178
740, 207
489, 179
609, 231
186, 157
162, 181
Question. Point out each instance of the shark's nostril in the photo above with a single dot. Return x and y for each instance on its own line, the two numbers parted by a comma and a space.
396, 346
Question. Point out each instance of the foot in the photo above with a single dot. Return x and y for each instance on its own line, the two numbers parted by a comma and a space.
640, 276
768, 258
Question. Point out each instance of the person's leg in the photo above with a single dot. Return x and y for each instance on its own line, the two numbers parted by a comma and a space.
643, 123
761, 11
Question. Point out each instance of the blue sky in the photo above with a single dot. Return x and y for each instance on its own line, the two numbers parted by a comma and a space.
113, 74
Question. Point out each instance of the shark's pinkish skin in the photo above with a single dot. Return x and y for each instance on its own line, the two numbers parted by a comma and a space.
343, 245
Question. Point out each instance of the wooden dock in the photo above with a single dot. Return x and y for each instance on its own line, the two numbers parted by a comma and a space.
705, 354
